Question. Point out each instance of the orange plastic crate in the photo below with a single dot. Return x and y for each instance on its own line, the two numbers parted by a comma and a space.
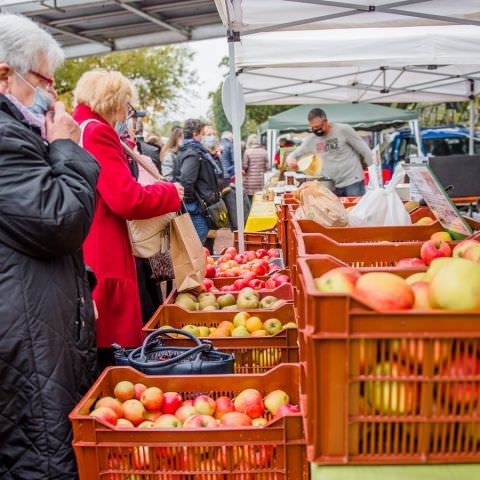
397, 387
252, 354
273, 452
254, 241
222, 281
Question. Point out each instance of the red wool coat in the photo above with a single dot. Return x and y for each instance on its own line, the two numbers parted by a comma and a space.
107, 247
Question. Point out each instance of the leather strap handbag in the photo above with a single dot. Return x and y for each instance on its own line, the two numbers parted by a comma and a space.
156, 358
147, 236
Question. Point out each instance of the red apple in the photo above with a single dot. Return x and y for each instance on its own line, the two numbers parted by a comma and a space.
134, 411
250, 402
273, 253
250, 255
239, 284
338, 280
411, 263
105, 414
270, 283
434, 249
287, 410
236, 419
124, 390
172, 401
168, 420
463, 391
384, 291
112, 403
200, 421
261, 253
152, 398
282, 279
240, 259
210, 271
232, 251
223, 405
208, 284
184, 412
188, 402
204, 405
256, 284
227, 288
139, 389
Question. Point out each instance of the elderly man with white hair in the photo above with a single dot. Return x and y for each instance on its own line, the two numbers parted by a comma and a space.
47, 200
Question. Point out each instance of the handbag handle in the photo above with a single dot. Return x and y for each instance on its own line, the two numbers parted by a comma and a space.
142, 362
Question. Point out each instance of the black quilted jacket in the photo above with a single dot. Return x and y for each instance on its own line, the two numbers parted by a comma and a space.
47, 330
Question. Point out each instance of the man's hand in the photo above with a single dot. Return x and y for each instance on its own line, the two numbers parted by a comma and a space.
292, 163
61, 126
180, 190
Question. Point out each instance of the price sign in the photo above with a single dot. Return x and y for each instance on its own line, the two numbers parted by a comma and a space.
431, 190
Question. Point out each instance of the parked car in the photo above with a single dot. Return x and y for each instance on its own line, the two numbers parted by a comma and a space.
436, 141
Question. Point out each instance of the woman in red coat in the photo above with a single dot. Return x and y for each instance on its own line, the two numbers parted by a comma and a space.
102, 100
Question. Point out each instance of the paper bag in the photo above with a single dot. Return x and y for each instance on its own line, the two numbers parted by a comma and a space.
187, 252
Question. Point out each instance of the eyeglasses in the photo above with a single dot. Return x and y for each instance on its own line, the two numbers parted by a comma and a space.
131, 112
49, 81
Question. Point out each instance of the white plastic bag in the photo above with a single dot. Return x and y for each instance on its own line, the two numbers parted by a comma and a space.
381, 206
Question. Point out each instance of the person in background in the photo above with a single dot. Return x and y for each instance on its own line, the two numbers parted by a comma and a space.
102, 99
198, 173
47, 201
151, 145
226, 156
255, 164
283, 142
343, 151
169, 152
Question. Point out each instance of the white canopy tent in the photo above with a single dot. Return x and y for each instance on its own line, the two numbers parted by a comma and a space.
367, 50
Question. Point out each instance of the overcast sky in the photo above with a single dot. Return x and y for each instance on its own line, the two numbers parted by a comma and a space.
208, 54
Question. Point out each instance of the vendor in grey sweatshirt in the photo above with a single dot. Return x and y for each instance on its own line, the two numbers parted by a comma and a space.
342, 150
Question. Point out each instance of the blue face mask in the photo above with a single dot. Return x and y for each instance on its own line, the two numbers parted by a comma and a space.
42, 101
209, 141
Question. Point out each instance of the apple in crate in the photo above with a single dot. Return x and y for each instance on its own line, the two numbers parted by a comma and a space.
384, 291
461, 390
200, 421
273, 253
140, 388
434, 249
421, 291
223, 405
236, 419
168, 420
204, 405
210, 271
184, 412
472, 253
250, 402
112, 403
105, 414
172, 401
274, 400
460, 248
411, 263
273, 326
152, 399
456, 286
287, 409
124, 423
338, 280
134, 411
124, 390
444, 236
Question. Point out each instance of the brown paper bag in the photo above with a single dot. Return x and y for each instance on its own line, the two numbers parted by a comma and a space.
187, 252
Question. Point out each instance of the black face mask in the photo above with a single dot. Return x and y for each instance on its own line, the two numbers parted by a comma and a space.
319, 132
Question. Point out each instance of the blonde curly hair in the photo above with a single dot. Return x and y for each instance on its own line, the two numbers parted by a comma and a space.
104, 91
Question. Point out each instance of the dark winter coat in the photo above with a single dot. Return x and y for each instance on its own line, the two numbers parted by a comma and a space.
196, 174
47, 329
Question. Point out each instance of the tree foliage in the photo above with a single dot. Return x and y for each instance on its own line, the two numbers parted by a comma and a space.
160, 74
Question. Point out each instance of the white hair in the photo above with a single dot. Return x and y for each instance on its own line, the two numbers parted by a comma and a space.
228, 136
21, 40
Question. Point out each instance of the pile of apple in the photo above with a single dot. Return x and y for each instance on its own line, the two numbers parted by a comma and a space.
243, 325
450, 283
136, 406
249, 280
247, 299
234, 264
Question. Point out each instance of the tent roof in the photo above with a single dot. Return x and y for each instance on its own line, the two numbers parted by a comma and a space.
409, 64
253, 15
364, 115
88, 27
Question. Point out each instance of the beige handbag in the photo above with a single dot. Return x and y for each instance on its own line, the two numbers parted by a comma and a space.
149, 236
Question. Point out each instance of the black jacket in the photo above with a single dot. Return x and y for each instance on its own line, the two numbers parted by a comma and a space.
196, 174
47, 329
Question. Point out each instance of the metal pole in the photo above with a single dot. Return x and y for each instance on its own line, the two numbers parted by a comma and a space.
237, 149
418, 137
471, 97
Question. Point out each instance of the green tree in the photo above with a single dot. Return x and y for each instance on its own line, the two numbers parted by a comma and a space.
160, 74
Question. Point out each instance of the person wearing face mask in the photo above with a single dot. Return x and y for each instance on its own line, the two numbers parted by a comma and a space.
342, 150
47, 201
198, 172
102, 99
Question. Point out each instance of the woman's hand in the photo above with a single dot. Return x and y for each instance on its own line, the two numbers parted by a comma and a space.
180, 190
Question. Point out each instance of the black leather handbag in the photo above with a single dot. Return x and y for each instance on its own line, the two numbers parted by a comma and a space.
155, 358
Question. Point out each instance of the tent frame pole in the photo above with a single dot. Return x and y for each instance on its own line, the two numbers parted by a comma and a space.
471, 97
237, 139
